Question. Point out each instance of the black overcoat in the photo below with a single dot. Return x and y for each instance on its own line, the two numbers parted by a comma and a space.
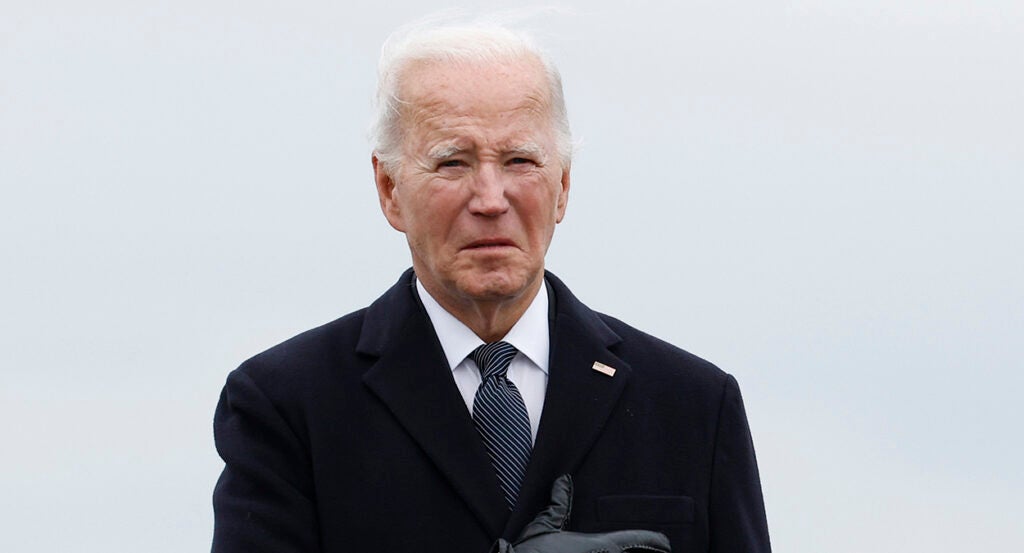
353, 437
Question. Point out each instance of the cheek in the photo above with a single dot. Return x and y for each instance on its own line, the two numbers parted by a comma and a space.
540, 215
434, 219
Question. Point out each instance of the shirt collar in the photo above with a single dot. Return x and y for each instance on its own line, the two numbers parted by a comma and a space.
529, 335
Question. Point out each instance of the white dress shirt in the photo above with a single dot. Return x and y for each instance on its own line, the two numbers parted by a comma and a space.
529, 368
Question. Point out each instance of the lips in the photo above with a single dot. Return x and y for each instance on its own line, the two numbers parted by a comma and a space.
489, 243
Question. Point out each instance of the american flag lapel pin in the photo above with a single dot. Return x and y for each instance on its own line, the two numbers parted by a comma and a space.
603, 369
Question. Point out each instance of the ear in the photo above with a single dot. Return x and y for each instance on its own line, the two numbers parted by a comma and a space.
387, 193
563, 196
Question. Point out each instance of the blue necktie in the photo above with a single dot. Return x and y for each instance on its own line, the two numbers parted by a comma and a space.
500, 417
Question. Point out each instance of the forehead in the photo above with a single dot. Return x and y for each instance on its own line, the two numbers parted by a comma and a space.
446, 96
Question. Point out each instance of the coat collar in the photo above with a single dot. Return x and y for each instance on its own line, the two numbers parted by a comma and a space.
412, 377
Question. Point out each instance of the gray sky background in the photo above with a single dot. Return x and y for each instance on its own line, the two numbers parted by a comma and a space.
823, 198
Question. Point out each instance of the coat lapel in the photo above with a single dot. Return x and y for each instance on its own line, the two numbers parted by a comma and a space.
412, 377
577, 403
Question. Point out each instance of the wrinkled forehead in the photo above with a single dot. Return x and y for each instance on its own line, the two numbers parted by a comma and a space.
457, 88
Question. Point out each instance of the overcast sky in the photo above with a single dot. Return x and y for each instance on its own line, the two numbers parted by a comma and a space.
823, 198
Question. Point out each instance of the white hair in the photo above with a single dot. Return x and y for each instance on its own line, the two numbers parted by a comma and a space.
476, 42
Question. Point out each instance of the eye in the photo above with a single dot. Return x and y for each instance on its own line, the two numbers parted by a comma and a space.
520, 161
451, 163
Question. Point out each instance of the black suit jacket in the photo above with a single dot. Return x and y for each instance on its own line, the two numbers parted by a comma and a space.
353, 437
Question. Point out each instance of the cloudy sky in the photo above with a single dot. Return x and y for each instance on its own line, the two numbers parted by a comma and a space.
823, 198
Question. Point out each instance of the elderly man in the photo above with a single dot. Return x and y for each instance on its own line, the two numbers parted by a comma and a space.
438, 418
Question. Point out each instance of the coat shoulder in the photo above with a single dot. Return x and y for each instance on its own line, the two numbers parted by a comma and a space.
655, 357
346, 342
302, 358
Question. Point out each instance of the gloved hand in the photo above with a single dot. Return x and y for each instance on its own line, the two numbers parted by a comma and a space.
545, 534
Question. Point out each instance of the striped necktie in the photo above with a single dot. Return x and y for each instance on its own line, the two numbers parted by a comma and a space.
500, 417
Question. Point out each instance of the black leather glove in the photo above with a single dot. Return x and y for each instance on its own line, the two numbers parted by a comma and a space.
545, 534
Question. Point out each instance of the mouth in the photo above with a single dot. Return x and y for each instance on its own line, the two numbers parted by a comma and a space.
489, 243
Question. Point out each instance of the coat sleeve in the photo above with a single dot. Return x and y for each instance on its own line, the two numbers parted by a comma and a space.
737, 517
263, 501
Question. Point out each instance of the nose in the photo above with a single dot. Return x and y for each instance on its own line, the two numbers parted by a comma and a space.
488, 188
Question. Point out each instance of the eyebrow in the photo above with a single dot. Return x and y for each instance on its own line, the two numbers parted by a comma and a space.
529, 149
444, 151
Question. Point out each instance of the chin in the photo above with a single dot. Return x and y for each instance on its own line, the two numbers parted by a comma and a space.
493, 286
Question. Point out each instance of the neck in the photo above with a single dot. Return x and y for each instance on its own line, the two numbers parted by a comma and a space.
490, 320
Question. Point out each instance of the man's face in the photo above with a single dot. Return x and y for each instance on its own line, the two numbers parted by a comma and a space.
481, 185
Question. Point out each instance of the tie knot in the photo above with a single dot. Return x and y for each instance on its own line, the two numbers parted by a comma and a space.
493, 359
